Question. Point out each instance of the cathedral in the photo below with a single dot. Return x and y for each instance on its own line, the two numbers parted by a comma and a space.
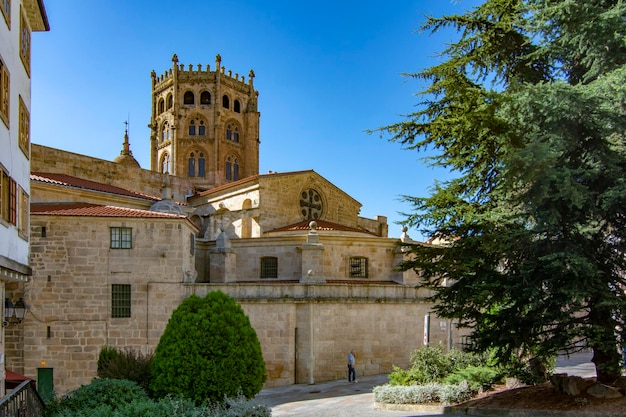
115, 248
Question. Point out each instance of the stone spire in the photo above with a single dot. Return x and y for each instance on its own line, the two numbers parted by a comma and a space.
126, 156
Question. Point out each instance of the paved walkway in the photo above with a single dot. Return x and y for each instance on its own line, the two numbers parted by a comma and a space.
344, 399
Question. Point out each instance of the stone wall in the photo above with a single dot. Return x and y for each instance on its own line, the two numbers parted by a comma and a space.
51, 160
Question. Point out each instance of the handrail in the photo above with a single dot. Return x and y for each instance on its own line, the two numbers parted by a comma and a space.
23, 401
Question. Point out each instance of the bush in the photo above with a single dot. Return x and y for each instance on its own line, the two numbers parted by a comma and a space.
127, 364
208, 351
478, 377
423, 394
172, 407
100, 394
107, 354
433, 364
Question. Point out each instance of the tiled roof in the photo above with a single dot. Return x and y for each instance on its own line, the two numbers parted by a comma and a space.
74, 182
321, 225
95, 210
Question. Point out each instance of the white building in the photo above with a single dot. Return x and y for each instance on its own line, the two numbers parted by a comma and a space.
19, 19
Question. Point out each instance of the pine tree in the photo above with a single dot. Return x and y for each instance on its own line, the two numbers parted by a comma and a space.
528, 109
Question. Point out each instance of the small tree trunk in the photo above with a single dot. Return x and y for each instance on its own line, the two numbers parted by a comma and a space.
604, 343
607, 365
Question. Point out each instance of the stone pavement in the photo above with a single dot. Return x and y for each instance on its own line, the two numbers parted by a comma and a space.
345, 399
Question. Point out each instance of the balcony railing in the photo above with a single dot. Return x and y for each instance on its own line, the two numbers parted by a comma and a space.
23, 401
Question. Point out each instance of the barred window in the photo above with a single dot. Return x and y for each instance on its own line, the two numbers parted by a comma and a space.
358, 267
120, 300
269, 267
121, 238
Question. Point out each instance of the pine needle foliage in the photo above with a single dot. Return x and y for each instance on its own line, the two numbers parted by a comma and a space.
527, 108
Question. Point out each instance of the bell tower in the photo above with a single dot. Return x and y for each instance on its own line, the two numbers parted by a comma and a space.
204, 124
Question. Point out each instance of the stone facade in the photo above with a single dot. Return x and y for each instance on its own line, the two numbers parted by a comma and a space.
315, 278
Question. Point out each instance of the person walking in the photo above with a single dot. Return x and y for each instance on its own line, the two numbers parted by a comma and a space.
351, 369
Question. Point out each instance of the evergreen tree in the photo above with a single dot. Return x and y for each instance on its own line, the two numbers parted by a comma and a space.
208, 351
528, 109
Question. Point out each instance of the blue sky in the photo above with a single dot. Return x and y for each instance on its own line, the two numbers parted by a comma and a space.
325, 72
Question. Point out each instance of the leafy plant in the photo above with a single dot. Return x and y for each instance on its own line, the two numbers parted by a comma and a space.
99, 394
126, 364
423, 394
433, 364
478, 377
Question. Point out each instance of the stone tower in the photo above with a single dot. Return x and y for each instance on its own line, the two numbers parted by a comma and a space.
204, 125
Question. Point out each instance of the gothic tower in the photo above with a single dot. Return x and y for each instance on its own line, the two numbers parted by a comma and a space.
204, 125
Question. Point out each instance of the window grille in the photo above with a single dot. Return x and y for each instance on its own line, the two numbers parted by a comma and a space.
120, 300
121, 238
269, 267
358, 267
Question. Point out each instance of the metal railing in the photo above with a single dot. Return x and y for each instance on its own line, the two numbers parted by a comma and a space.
23, 401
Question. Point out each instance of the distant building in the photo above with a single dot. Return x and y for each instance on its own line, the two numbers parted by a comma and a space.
116, 248
19, 19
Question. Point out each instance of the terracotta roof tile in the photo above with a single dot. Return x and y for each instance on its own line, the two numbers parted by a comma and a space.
74, 182
95, 210
321, 225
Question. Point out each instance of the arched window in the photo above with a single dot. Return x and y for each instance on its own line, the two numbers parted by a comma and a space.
205, 98
225, 102
165, 132
229, 131
191, 167
237, 106
192, 128
188, 98
232, 168
165, 163
201, 165
161, 106
201, 128
232, 132
170, 101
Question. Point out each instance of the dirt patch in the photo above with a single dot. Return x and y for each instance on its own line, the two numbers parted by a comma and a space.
544, 397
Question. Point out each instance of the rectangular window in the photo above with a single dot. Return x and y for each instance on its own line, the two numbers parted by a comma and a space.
5, 6
192, 243
121, 238
23, 226
12, 202
358, 267
4, 195
269, 267
120, 301
24, 129
4, 92
25, 42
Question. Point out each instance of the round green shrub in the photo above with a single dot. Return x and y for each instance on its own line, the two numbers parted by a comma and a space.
208, 351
